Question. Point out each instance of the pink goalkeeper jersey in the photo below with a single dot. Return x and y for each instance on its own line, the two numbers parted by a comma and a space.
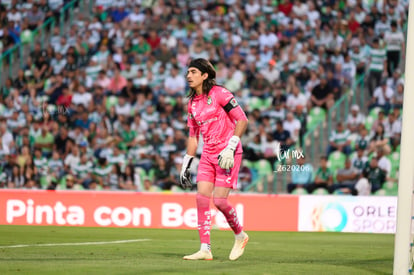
206, 115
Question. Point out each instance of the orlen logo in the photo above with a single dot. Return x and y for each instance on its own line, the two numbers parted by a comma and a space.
173, 215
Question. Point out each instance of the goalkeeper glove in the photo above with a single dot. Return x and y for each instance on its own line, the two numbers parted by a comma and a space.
185, 176
226, 157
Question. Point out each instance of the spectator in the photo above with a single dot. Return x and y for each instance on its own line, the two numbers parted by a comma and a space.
323, 177
45, 142
346, 178
395, 45
322, 94
282, 136
355, 119
174, 85
376, 176
35, 17
339, 140
378, 63
130, 180
360, 161
382, 97
292, 125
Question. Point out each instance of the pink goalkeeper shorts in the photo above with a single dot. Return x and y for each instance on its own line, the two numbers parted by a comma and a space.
209, 170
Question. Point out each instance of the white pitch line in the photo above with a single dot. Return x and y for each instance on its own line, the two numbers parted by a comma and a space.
74, 244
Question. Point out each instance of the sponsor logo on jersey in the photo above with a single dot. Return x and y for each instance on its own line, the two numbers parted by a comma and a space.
209, 100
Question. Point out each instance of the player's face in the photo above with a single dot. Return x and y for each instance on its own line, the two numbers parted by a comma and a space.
195, 78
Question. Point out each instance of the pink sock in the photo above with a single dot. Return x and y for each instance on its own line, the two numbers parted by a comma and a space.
204, 218
230, 213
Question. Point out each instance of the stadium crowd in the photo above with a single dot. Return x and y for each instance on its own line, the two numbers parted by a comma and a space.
104, 106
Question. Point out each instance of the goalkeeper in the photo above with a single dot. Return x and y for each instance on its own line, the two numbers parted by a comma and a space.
214, 112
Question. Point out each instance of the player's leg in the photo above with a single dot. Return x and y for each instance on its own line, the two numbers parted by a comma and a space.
205, 186
225, 181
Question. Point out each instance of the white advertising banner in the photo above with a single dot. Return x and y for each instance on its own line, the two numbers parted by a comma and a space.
374, 214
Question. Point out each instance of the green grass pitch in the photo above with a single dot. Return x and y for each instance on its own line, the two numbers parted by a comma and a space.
162, 251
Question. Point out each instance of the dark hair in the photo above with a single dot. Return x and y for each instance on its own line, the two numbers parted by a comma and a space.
205, 67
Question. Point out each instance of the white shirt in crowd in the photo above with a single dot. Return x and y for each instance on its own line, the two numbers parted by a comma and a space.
379, 95
84, 99
292, 127
363, 187
385, 164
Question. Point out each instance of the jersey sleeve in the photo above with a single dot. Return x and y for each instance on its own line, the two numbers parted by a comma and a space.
192, 125
227, 101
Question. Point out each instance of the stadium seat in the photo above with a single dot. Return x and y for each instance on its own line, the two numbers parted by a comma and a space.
255, 103
316, 115
264, 168
44, 182
267, 102
374, 112
320, 191
381, 192
369, 121
26, 37
391, 186
336, 160
300, 191
141, 172
352, 138
111, 101
395, 163
386, 192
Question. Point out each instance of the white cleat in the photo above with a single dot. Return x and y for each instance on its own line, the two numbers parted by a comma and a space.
238, 247
200, 255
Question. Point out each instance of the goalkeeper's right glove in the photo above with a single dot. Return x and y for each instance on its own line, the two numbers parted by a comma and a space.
185, 176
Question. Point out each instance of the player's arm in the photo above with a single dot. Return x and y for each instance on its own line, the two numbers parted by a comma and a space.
235, 112
192, 145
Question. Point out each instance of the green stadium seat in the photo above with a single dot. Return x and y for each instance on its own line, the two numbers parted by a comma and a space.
336, 160
267, 102
264, 168
111, 101
248, 163
44, 182
255, 103
374, 112
381, 192
300, 191
151, 174
395, 163
141, 172
386, 192
26, 37
390, 186
316, 115
369, 121
320, 191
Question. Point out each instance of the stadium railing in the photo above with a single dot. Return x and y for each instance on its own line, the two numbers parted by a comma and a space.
16, 54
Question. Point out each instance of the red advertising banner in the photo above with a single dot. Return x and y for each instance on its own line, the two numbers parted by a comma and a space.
146, 210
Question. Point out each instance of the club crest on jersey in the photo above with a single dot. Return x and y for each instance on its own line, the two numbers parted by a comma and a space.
234, 103
209, 100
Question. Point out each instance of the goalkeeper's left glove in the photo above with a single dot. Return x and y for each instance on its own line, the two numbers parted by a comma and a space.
226, 157
185, 176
